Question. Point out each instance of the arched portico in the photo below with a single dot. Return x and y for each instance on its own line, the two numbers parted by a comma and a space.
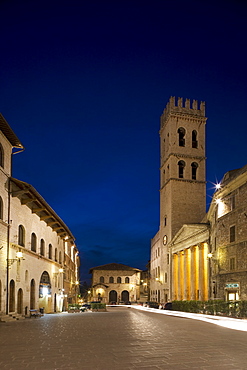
45, 300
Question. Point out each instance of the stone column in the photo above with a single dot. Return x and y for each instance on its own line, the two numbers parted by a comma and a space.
187, 273
175, 277
192, 274
181, 275
201, 272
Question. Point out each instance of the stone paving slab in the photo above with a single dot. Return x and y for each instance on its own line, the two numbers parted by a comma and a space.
120, 339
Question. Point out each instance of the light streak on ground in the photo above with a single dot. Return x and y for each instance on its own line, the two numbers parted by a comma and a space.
227, 322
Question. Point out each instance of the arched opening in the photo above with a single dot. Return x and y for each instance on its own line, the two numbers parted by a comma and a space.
20, 301
50, 251
127, 280
45, 292
125, 296
42, 247
33, 242
181, 136
101, 279
60, 257
119, 280
21, 235
194, 167
1, 208
181, 165
113, 296
194, 139
56, 254
1, 156
12, 296
111, 279
32, 294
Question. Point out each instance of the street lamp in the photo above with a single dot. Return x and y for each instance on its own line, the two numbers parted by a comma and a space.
19, 257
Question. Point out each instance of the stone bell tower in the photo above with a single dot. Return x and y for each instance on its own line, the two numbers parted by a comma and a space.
182, 185
182, 170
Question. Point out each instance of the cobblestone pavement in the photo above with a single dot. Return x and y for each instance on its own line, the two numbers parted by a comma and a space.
121, 338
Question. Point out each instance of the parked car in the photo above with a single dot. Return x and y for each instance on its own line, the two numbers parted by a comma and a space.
152, 304
168, 306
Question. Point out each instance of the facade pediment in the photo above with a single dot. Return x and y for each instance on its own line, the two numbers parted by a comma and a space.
189, 235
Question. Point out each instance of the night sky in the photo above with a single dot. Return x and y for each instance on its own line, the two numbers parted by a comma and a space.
83, 85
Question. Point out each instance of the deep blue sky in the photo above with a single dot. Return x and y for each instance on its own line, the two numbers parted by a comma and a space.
83, 85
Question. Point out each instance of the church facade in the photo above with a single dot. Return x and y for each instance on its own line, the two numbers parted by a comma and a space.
194, 255
38, 258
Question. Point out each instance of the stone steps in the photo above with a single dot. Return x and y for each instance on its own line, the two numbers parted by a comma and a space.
11, 317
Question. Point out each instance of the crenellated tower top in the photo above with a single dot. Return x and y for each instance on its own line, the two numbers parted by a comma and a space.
186, 107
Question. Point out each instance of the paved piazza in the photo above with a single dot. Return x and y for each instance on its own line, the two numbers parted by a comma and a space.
122, 338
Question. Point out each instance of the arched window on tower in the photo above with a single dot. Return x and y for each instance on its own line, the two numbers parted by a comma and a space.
119, 280
101, 279
194, 167
111, 280
194, 139
181, 136
1, 156
181, 165
21, 236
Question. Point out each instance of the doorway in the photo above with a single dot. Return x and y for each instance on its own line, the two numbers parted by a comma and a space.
12, 296
32, 294
113, 296
125, 296
20, 301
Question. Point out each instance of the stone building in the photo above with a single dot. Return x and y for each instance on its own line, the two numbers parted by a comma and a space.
115, 282
228, 240
197, 256
182, 173
38, 258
